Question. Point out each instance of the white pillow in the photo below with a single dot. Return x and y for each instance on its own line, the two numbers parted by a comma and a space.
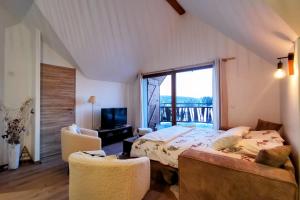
253, 146
74, 129
225, 141
269, 135
239, 131
230, 137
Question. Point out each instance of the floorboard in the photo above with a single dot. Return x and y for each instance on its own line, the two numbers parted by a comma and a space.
49, 180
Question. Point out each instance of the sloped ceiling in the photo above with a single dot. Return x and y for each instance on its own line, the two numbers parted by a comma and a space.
110, 40
16, 7
113, 40
251, 23
26, 11
289, 11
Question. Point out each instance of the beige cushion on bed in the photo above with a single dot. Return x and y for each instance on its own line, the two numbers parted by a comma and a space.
266, 125
275, 157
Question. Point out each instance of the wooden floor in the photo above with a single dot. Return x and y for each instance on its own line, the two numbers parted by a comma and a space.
50, 180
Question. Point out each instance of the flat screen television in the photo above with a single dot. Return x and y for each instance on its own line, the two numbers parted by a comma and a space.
113, 117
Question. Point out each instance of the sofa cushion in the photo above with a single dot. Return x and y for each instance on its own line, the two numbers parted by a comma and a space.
265, 125
275, 157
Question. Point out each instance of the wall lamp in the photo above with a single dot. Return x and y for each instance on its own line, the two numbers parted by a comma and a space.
280, 73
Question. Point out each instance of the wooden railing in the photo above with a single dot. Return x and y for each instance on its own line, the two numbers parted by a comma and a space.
187, 112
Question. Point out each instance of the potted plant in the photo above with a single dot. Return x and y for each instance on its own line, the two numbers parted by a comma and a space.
15, 124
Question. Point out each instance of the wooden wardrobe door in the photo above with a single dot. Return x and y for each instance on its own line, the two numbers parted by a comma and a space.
57, 105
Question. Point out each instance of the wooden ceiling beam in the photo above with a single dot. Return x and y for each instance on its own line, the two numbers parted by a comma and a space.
179, 9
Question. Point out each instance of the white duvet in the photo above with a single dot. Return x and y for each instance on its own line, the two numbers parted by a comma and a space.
167, 152
166, 149
167, 134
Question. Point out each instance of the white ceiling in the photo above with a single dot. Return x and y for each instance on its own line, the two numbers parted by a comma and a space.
288, 10
251, 23
110, 40
114, 40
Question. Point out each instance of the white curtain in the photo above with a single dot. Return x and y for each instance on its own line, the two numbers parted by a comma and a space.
220, 98
223, 95
139, 105
216, 94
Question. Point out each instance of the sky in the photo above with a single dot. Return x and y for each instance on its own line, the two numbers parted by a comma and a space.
196, 84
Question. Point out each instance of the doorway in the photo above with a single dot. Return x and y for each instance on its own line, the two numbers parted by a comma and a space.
57, 106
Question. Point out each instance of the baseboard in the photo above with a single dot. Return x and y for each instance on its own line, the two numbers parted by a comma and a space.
37, 162
3, 167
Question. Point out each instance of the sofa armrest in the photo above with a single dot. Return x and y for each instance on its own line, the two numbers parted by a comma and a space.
89, 132
210, 176
71, 143
140, 176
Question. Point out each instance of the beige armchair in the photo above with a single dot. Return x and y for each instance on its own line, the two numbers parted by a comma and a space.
108, 178
71, 142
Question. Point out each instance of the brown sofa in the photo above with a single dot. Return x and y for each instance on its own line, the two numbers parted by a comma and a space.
205, 176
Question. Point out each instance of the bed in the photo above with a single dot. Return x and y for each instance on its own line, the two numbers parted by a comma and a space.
167, 144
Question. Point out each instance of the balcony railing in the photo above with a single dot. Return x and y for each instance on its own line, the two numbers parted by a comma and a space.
187, 112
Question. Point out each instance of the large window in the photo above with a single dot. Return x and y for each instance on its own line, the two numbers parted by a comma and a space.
182, 97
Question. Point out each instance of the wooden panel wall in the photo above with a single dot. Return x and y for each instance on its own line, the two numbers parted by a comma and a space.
57, 105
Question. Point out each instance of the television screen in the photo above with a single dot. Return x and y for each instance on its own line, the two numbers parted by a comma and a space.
120, 116
113, 117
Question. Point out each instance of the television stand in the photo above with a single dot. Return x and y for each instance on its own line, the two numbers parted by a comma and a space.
110, 136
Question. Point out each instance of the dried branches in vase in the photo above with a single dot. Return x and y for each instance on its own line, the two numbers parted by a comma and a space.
16, 123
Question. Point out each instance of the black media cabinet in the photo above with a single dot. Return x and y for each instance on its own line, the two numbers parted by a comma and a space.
110, 136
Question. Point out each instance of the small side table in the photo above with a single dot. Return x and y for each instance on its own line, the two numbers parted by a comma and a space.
127, 144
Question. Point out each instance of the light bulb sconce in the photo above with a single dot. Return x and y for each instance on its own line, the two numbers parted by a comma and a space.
290, 58
280, 73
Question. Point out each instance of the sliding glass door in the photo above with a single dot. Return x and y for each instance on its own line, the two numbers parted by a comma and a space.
194, 106
182, 97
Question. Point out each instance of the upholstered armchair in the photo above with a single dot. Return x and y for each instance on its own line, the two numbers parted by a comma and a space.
71, 142
106, 178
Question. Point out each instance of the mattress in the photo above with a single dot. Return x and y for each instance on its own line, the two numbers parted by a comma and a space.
196, 138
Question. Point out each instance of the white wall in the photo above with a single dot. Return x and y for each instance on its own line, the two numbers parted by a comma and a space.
21, 76
253, 92
108, 94
290, 108
5, 20
2, 37
4, 17
18, 65
16, 68
49, 56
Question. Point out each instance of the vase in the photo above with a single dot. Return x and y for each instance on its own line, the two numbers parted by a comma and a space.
13, 156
